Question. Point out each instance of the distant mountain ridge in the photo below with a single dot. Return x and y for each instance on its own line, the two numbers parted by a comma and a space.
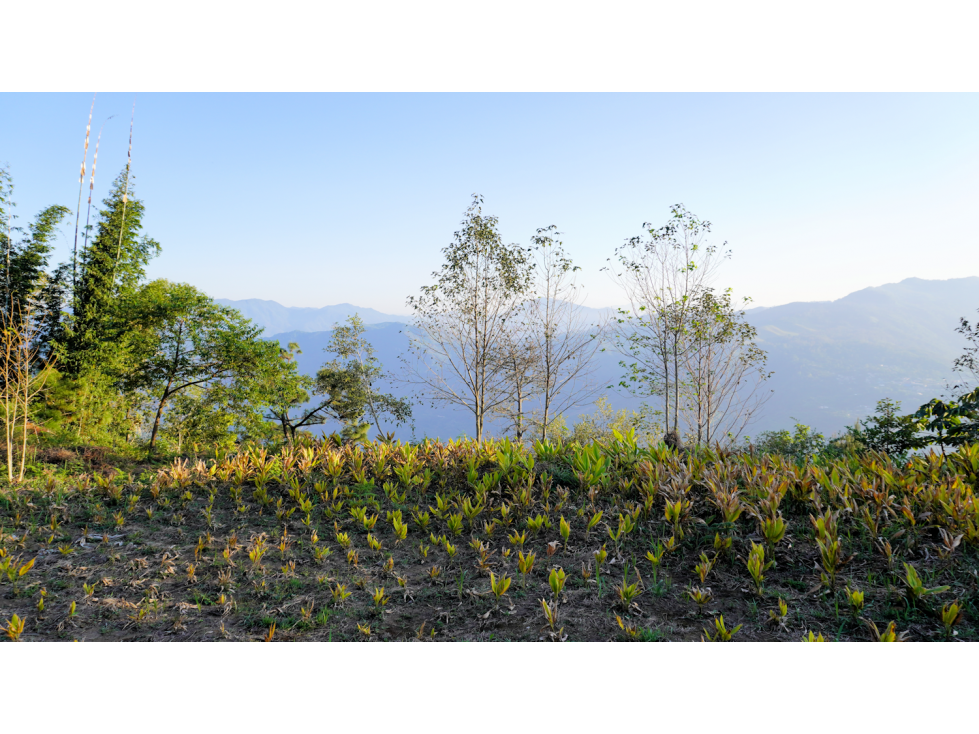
833, 360
276, 318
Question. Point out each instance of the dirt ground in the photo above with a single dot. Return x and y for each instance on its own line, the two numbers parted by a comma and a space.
140, 560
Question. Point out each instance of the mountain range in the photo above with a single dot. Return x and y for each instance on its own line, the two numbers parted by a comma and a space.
275, 318
831, 360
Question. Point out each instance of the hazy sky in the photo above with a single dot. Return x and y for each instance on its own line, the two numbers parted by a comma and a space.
312, 200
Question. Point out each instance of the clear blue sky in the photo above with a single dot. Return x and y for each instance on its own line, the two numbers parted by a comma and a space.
312, 200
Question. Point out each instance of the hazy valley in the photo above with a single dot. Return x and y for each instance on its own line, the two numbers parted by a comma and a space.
831, 360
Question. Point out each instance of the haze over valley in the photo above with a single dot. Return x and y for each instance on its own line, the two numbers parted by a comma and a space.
831, 360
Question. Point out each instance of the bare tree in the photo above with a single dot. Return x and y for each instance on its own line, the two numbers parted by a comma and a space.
461, 322
724, 368
23, 377
564, 342
662, 277
519, 361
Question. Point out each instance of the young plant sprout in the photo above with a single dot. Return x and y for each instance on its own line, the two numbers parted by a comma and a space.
593, 522
773, 530
721, 633
855, 598
556, 581
631, 630
340, 594
703, 568
757, 566
626, 592
499, 586
525, 564
780, 614
916, 588
890, 634
700, 596
951, 616
723, 544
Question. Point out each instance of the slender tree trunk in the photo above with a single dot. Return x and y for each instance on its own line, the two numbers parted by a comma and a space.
10, 416
667, 394
676, 387
159, 413
519, 411
26, 378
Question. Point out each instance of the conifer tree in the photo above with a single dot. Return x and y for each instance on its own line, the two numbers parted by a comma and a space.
24, 281
112, 267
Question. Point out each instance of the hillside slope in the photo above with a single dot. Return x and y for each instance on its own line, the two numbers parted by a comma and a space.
834, 360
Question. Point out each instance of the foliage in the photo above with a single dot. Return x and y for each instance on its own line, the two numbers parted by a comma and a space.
22, 378
950, 423
350, 382
181, 339
800, 444
968, 361
600, 425
887, 431
549, 354
236, 509
197, 416
288, 392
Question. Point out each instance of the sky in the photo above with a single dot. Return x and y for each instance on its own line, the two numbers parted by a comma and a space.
319, 199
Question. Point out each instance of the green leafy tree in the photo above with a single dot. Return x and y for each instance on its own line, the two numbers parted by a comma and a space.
350, 381
888, 431
181, 339
951, 423
51, 301
289, 392
968, 361
549, 357
195, 417
801, 444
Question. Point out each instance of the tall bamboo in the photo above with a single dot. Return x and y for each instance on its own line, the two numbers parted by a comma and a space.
125, 193
78, 209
